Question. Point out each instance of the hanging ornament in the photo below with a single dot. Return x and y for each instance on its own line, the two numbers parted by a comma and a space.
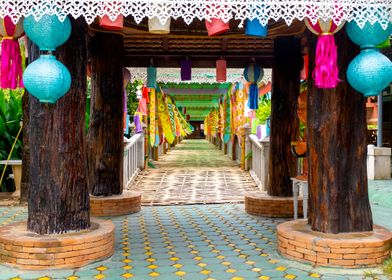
46, 78
369, 72
106, 23
253, 74
11, 59
221, 70
151, 77
326, 70
156, 27
186, 70
216, 26
255, 28
49, 32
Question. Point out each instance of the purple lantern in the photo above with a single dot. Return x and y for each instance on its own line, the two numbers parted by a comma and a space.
186, 70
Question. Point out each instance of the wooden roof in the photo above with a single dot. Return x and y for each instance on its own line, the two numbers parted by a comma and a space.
193, 42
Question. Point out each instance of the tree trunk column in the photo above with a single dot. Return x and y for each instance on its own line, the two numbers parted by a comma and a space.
58, 194
105, 136
284, 121
337, 151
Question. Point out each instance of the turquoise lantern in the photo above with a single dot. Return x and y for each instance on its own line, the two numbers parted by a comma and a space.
49, 32
255, 28
253, 74
47, 79
151, 77
369, 72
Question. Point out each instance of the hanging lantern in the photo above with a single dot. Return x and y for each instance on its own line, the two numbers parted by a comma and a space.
216, 26
221, 70
11, 59
369, 72
156, 27
253, 74
106, 23
326, 70
368, 36
186, 70
255, 28
151, 77
47, 79
49, 32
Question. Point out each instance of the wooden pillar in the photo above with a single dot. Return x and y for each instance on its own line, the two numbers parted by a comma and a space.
225, 149
287, 65
105, 135
337, 151
58, 193
243, 138
24, 186
155, 153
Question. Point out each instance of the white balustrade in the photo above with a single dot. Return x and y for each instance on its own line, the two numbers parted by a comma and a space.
260, 161
133, 158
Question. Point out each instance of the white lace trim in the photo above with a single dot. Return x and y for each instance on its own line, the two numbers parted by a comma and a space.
339, 10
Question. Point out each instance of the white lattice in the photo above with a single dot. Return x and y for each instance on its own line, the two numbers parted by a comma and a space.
359, 10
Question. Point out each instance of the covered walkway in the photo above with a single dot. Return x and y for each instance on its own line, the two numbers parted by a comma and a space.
194, 172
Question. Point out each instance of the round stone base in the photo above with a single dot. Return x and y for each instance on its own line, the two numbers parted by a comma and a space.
348, 250
262, 204
26, 250
115, 205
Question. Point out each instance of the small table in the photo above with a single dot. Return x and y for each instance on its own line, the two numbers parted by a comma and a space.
299, 182
16, 166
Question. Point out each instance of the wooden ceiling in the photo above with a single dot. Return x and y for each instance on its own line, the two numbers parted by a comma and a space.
192, 41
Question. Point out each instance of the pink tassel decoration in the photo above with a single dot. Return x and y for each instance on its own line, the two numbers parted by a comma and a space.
326, 72
11, 59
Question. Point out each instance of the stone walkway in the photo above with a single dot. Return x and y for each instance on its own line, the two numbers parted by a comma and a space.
194, 172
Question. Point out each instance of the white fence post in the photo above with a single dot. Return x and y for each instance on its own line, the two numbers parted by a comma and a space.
133, 158
260, 161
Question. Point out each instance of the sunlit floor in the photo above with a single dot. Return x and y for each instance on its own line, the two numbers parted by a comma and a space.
194, 172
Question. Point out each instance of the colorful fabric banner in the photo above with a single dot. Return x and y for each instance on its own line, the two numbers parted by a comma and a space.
164, 117
152, 117
227, 116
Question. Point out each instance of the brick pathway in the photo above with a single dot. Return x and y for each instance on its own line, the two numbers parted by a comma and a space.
194, 172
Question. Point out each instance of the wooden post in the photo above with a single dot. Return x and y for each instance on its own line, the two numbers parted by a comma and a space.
58, 193
337, 151
225, 149
284, 121
105, 135
243, 137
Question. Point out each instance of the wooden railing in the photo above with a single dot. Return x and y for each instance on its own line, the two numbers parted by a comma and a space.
133, 157
260, 158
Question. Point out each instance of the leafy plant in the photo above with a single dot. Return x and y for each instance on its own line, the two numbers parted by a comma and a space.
387, 267
132, 101
10, 119
264, 110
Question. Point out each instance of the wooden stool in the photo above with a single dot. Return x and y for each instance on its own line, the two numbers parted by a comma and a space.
300, 182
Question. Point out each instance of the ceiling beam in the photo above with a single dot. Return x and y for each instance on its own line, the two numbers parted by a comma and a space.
193, 103
189, 91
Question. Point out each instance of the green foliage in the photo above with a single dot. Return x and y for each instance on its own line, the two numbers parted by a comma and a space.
132, 101
10, 118
264, 110
387, 267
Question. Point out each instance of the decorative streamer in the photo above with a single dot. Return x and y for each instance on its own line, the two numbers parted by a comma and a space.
227, 117
253, 74
152, 117
164, 117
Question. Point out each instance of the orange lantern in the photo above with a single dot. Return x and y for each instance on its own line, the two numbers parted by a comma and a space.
106, 23
221, 69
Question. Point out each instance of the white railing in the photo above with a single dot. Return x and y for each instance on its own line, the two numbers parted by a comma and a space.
260, 161
133, 158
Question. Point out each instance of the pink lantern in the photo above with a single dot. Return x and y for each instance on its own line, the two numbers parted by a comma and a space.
221, 67
216, 26
11, 59
106, 23
326, 69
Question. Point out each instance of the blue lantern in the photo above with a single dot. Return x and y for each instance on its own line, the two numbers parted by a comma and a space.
47, 33
47, 79
253, 74
368, 36
151, 77
370, 72
255, 28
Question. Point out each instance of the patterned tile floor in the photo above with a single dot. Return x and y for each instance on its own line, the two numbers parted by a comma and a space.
216, 241
193, 172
